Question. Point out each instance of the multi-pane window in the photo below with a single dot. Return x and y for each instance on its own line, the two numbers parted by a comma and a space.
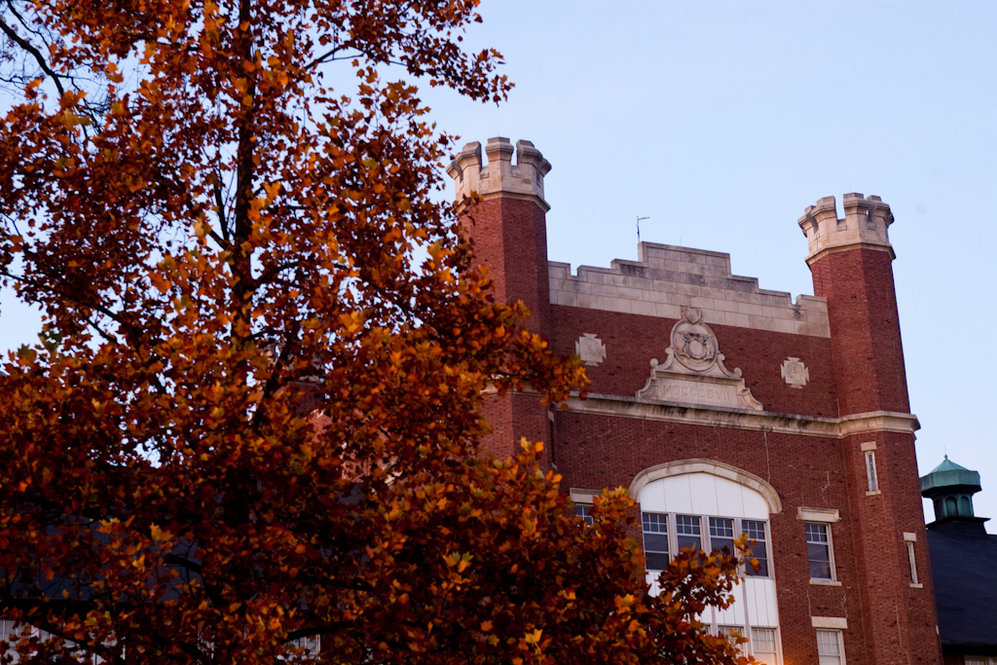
735, 632
829, 647
668, 533
655, 540
722, 535
759, 549
688, 530
763, 645
583, 511
819, 551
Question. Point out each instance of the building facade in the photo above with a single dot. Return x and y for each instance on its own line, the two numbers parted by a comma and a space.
729, 409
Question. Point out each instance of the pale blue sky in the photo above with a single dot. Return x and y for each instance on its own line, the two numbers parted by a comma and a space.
722, 121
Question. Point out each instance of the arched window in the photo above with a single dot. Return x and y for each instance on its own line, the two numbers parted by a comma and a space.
705, 504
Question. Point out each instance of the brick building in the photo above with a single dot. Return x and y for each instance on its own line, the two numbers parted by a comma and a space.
729, 409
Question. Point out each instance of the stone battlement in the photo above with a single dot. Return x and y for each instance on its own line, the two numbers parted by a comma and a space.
500, 177
865, 224
665, 279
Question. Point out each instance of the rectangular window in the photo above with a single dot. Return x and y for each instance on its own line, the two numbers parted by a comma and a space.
830, 649
737, 632
870, 471
689, 532
763, 645
755, 529
583, 511
819, 551
912, 562
655, 527
722, 535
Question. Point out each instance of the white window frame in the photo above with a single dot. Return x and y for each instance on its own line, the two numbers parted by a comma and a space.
909, 539
839, 640
821, 517
769, 657
871, 475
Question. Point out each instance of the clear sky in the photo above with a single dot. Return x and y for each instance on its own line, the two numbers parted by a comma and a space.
722, 121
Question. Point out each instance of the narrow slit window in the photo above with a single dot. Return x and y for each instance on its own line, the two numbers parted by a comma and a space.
912, 561
870, 471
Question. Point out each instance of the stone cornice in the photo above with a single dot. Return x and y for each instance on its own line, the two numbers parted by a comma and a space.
847, 248
763, 421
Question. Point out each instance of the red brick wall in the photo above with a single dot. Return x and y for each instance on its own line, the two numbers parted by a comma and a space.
509, 236
865, 327
633, 340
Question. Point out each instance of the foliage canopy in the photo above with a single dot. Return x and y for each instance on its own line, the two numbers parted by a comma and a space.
251, 417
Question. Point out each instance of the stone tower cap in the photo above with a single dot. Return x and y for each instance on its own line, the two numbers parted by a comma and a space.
864, 225
500, 177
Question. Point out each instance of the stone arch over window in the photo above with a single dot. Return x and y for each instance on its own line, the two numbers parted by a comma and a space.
713, 468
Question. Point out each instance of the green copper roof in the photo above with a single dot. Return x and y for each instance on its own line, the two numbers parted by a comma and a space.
950, 474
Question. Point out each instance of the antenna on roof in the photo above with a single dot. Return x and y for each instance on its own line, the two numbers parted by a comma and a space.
639, 218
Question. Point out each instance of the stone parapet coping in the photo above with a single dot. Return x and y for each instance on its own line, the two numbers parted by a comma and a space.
666, 279
762, 421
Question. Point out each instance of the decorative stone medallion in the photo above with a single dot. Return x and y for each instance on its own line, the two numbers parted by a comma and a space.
693, 343
590, 349
795, 372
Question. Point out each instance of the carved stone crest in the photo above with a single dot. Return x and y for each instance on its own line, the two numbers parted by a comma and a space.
795, 372
693, 343
590, 349
694, 371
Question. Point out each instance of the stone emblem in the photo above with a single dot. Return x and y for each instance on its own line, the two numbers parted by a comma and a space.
693, 343
795, 372
590, 349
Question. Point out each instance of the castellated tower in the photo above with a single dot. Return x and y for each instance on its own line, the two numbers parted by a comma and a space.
507, 227
727, 408
850, 259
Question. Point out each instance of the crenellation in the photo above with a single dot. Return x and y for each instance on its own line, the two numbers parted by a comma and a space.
500, 177
865, 225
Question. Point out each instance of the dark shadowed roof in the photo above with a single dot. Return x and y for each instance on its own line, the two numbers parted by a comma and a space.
964, 569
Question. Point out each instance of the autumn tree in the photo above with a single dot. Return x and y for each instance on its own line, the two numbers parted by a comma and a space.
249, 425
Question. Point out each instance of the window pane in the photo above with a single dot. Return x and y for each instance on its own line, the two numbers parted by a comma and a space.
755, 530
819, 551
654, 522
820, 565
583, 512
763, 640
829, 647
655, 540
722, 535
870, 471
689, 533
